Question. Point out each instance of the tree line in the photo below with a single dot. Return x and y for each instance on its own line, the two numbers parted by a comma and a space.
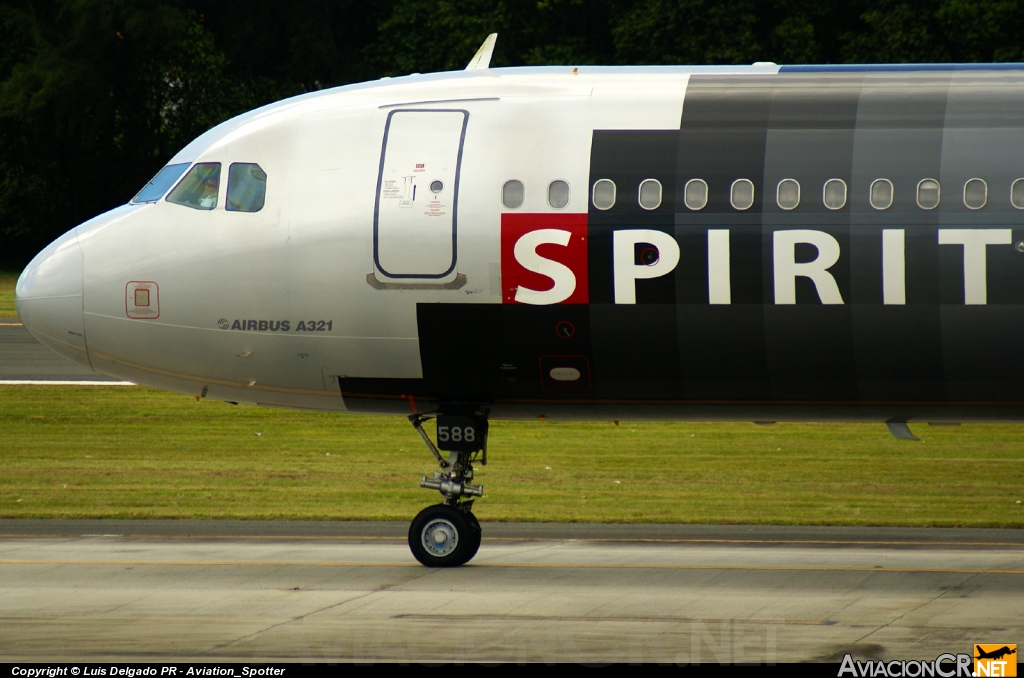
96, 95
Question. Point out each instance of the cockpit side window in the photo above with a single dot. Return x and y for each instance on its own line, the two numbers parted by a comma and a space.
159, 184
247, 187
200, 187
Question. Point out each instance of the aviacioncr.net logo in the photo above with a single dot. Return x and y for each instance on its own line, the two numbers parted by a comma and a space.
995, 659
944, 666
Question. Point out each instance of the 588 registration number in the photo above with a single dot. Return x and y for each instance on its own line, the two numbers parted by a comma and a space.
461, 433
456, 434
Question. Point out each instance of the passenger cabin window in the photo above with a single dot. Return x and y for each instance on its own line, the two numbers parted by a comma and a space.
881, 194
695, 194
1017, 194
558, 194
787, 194
159, 184
741, 194
650, 194
247, 187
975, 194
928, 194
512, 194
200, 187
834, 194
603, 194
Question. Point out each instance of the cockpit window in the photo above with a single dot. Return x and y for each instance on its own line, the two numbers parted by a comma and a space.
247, 187
200, 187
163, 180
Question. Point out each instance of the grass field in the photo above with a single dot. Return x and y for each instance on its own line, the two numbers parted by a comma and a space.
138, 453
7, 282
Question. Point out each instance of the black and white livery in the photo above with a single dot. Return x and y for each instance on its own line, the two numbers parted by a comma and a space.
705, 243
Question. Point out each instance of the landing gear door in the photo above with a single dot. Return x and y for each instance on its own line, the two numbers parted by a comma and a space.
415, 222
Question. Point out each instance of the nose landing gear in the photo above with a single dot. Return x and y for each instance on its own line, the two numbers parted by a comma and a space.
448, 534
442, 536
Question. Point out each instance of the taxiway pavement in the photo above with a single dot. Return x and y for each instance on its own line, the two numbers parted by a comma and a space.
24, 358
252, 591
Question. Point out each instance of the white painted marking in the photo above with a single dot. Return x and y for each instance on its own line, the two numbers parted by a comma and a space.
44, 382
564, 279
787, 270
975, 242
719, 279
627, 272
894, 267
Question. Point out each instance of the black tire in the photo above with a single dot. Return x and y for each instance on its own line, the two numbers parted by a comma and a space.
477, 535
442, 536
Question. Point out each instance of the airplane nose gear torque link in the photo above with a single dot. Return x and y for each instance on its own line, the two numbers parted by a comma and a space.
448, 534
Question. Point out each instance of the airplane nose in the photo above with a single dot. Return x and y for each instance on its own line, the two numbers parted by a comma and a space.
49, 298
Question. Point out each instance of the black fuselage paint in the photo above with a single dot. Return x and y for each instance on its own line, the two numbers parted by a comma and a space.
673, 346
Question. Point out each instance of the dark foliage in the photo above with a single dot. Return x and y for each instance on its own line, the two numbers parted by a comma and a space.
96, 95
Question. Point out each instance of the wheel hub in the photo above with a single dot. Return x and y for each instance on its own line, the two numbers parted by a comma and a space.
440, 537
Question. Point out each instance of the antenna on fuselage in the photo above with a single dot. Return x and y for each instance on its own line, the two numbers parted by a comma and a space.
482, 59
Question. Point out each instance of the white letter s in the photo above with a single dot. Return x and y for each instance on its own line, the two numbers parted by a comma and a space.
525, 253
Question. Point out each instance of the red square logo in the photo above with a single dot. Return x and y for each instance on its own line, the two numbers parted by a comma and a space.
544, 259
142, 300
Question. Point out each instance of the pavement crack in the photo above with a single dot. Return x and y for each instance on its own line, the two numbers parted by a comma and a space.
892, 621
300, 617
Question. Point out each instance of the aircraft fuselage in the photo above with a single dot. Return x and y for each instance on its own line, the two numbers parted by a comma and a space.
766, 243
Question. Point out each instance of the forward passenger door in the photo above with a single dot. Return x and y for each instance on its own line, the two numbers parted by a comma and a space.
415, 221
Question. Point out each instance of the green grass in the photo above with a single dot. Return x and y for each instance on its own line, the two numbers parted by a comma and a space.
138, 453
7, 282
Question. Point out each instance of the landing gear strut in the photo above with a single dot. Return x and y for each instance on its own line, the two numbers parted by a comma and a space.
448, 534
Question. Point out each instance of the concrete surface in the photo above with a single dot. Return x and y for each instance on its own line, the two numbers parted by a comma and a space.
22, 357
352, 591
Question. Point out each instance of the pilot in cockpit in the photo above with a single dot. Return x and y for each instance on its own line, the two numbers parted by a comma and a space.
208, 198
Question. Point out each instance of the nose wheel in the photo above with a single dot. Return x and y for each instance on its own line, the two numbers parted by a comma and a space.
444, 536
448, 534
